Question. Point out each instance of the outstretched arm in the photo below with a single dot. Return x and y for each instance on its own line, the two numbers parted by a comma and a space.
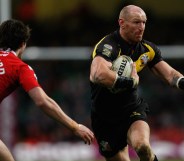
169, 74
53, 110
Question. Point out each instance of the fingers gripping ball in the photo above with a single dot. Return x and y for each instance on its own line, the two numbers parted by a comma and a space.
123, 66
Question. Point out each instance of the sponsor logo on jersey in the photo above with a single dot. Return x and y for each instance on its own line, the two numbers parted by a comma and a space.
107, 50
144, 58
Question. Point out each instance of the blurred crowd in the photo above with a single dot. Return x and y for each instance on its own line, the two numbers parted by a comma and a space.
82, 25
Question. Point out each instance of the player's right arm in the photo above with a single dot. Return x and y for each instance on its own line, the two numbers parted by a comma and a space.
102, 74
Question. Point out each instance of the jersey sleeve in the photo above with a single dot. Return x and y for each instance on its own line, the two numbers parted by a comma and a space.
28, 79
157, 58
106, 49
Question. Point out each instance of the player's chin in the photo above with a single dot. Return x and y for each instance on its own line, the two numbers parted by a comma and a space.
138, 38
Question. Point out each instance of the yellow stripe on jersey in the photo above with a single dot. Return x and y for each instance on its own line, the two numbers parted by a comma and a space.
119, 53
94, 51
144, 58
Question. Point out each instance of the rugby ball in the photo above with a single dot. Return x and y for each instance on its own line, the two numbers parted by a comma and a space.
122, 66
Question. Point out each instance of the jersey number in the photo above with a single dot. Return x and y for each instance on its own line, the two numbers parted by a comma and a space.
2, 70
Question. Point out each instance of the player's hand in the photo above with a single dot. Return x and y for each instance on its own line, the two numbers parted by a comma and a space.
134, 75
84, 133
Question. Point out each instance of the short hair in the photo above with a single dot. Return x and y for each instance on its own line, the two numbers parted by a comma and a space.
124, 13
13, 33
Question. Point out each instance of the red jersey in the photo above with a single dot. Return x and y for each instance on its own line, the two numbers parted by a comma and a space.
14, 73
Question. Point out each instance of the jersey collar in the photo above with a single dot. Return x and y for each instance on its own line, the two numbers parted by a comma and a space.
8, 51
13, 52
125, 47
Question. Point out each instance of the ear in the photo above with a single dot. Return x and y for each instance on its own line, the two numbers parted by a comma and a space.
121, 23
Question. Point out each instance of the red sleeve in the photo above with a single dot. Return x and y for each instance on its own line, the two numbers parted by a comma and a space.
28, 79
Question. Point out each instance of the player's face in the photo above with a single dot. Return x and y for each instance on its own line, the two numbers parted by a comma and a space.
134, 27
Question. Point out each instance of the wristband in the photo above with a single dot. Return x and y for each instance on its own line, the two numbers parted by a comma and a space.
180, 83
122, 82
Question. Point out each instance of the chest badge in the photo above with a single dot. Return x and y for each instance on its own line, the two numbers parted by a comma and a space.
142, 62
144, 59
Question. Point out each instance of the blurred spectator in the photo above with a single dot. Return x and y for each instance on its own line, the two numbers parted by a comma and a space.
26, 10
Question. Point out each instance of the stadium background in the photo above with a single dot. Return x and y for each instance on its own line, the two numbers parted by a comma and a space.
63, 34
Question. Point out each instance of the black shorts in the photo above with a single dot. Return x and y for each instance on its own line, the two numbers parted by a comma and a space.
111, 134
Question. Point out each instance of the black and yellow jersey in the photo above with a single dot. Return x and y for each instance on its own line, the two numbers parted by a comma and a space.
144, 53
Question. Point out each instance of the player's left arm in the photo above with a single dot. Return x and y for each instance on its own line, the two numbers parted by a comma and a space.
168, 74
53, 110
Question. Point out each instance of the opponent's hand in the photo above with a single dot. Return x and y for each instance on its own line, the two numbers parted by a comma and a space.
134, 75
84, 133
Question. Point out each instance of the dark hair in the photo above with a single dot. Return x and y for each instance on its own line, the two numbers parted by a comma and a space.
13, 33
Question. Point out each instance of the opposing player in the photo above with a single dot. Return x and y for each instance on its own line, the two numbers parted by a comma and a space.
119, 119
14, 73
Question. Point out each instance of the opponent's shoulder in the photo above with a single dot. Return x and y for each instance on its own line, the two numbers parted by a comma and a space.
10, 58
15, 62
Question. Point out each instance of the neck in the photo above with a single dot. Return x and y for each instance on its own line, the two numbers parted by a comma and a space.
124, 37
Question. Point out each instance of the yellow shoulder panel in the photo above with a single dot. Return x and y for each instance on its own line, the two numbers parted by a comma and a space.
144, 58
